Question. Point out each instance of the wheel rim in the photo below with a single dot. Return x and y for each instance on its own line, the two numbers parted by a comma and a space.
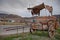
51, 29
51, 34
32, 30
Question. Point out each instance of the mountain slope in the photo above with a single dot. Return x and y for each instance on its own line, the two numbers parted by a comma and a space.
4, 15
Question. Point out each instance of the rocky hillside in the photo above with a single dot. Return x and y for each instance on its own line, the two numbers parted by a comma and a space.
4, 15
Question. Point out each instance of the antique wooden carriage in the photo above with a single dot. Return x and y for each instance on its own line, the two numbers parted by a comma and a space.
47, 23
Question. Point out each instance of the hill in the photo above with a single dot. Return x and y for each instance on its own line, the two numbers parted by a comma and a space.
4, 15
10, 19
58, 16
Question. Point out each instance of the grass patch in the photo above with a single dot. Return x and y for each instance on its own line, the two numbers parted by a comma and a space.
58, 30
57, 36
41, 33
27, 36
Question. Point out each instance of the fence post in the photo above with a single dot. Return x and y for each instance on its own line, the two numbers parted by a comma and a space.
17, 30
23, 33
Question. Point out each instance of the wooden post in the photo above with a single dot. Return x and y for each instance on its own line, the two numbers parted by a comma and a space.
23, 33
17, 31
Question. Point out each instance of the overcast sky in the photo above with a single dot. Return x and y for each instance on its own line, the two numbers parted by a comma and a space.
19, 7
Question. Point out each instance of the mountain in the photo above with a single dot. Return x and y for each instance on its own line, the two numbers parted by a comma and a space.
16, 18
4, 15
58, 16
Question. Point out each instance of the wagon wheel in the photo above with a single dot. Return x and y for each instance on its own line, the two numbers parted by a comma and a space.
33, 29
51, 29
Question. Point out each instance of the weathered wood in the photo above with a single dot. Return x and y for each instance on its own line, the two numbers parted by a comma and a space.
47, 23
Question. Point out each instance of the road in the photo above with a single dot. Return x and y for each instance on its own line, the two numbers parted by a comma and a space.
13, 29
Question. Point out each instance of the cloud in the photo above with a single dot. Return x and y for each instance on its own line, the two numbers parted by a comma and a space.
19, 7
